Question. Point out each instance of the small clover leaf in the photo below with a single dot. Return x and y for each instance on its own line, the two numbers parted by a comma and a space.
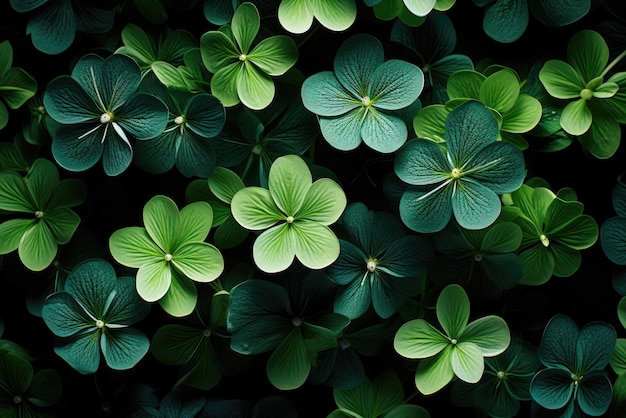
92, 317
459, 350
170, 253
295, 213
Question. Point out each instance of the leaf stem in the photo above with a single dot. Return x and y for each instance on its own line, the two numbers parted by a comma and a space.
613, 63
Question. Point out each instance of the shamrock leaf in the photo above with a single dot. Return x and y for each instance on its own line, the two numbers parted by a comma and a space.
92, 317
295, 213
16, 85
170, 253
296, 16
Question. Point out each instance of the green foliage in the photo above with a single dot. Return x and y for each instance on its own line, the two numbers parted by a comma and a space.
16, 85
457, 351
297, 16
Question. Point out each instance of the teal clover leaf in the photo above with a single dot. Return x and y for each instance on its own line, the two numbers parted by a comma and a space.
53, 23
457, 351
295, 214
613, 230
574, 379
46, 200
462, 179
241, 72
505, 383
187, 140
554, 231
100, 113
24, 392
485, 261
594, 106
378, 263
273, 406
92, 317
16, 85
170, 253
360, 99
297, 16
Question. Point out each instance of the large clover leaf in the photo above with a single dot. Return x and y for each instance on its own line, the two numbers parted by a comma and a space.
92, 317
243, 73
296, 16
16, 85
574, 376
170, 253
356, 102
100, 112
463, 179
47, 201
377, 263
295, 213
554, 231
459, 350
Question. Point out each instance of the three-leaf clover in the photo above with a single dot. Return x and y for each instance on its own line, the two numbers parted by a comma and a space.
377, 264
295, 213
459, 350
296, 16
100, 112
574, 379
170, 253
16, 85
92, 317
359, 100
464, 178
242, 73
47, 201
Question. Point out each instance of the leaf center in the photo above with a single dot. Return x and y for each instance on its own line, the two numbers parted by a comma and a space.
453, 341
296, 321
168, 257
366, 101
180, 120
478, 257
17, 399
99, 324
586, 94
343, 344
38, 214
243, 57
206, 333
576, 378
544, 240
501, 375
106, 117
455, 173
290, 219
371, 265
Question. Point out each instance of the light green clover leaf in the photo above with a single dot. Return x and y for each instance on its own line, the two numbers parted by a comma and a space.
295, 213
92, 317
47, 200
463, 179
296, 16
243, 73
457, 351
170, 253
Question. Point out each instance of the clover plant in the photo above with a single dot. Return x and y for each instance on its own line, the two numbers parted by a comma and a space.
381, 397
242, 72
273, 406
595, 106
175, 404
377, 264
360, 99
53, 24
101, 113
554, 232
297, 16
16, 85
46, 200
409, 12
464, 178
92, 317
457, 351
186, 142
574, 379
613, 229
295, 214
170, 253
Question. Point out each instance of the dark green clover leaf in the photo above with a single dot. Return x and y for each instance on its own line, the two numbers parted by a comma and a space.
505, 382
219, 12
595, 106
295, 214
24, 393
47, 201
100, 113
53, 23
378, 263
243, 73
360, 99
170, 253
463, 179
457, 351
287, 320
274, 406
382, 397
613, 230
187, 141
410, 12
92, 317
252, 140
554, 231
296, 16
16, 85
177, 403
146, 51
484, 262
434, 43
574, 379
